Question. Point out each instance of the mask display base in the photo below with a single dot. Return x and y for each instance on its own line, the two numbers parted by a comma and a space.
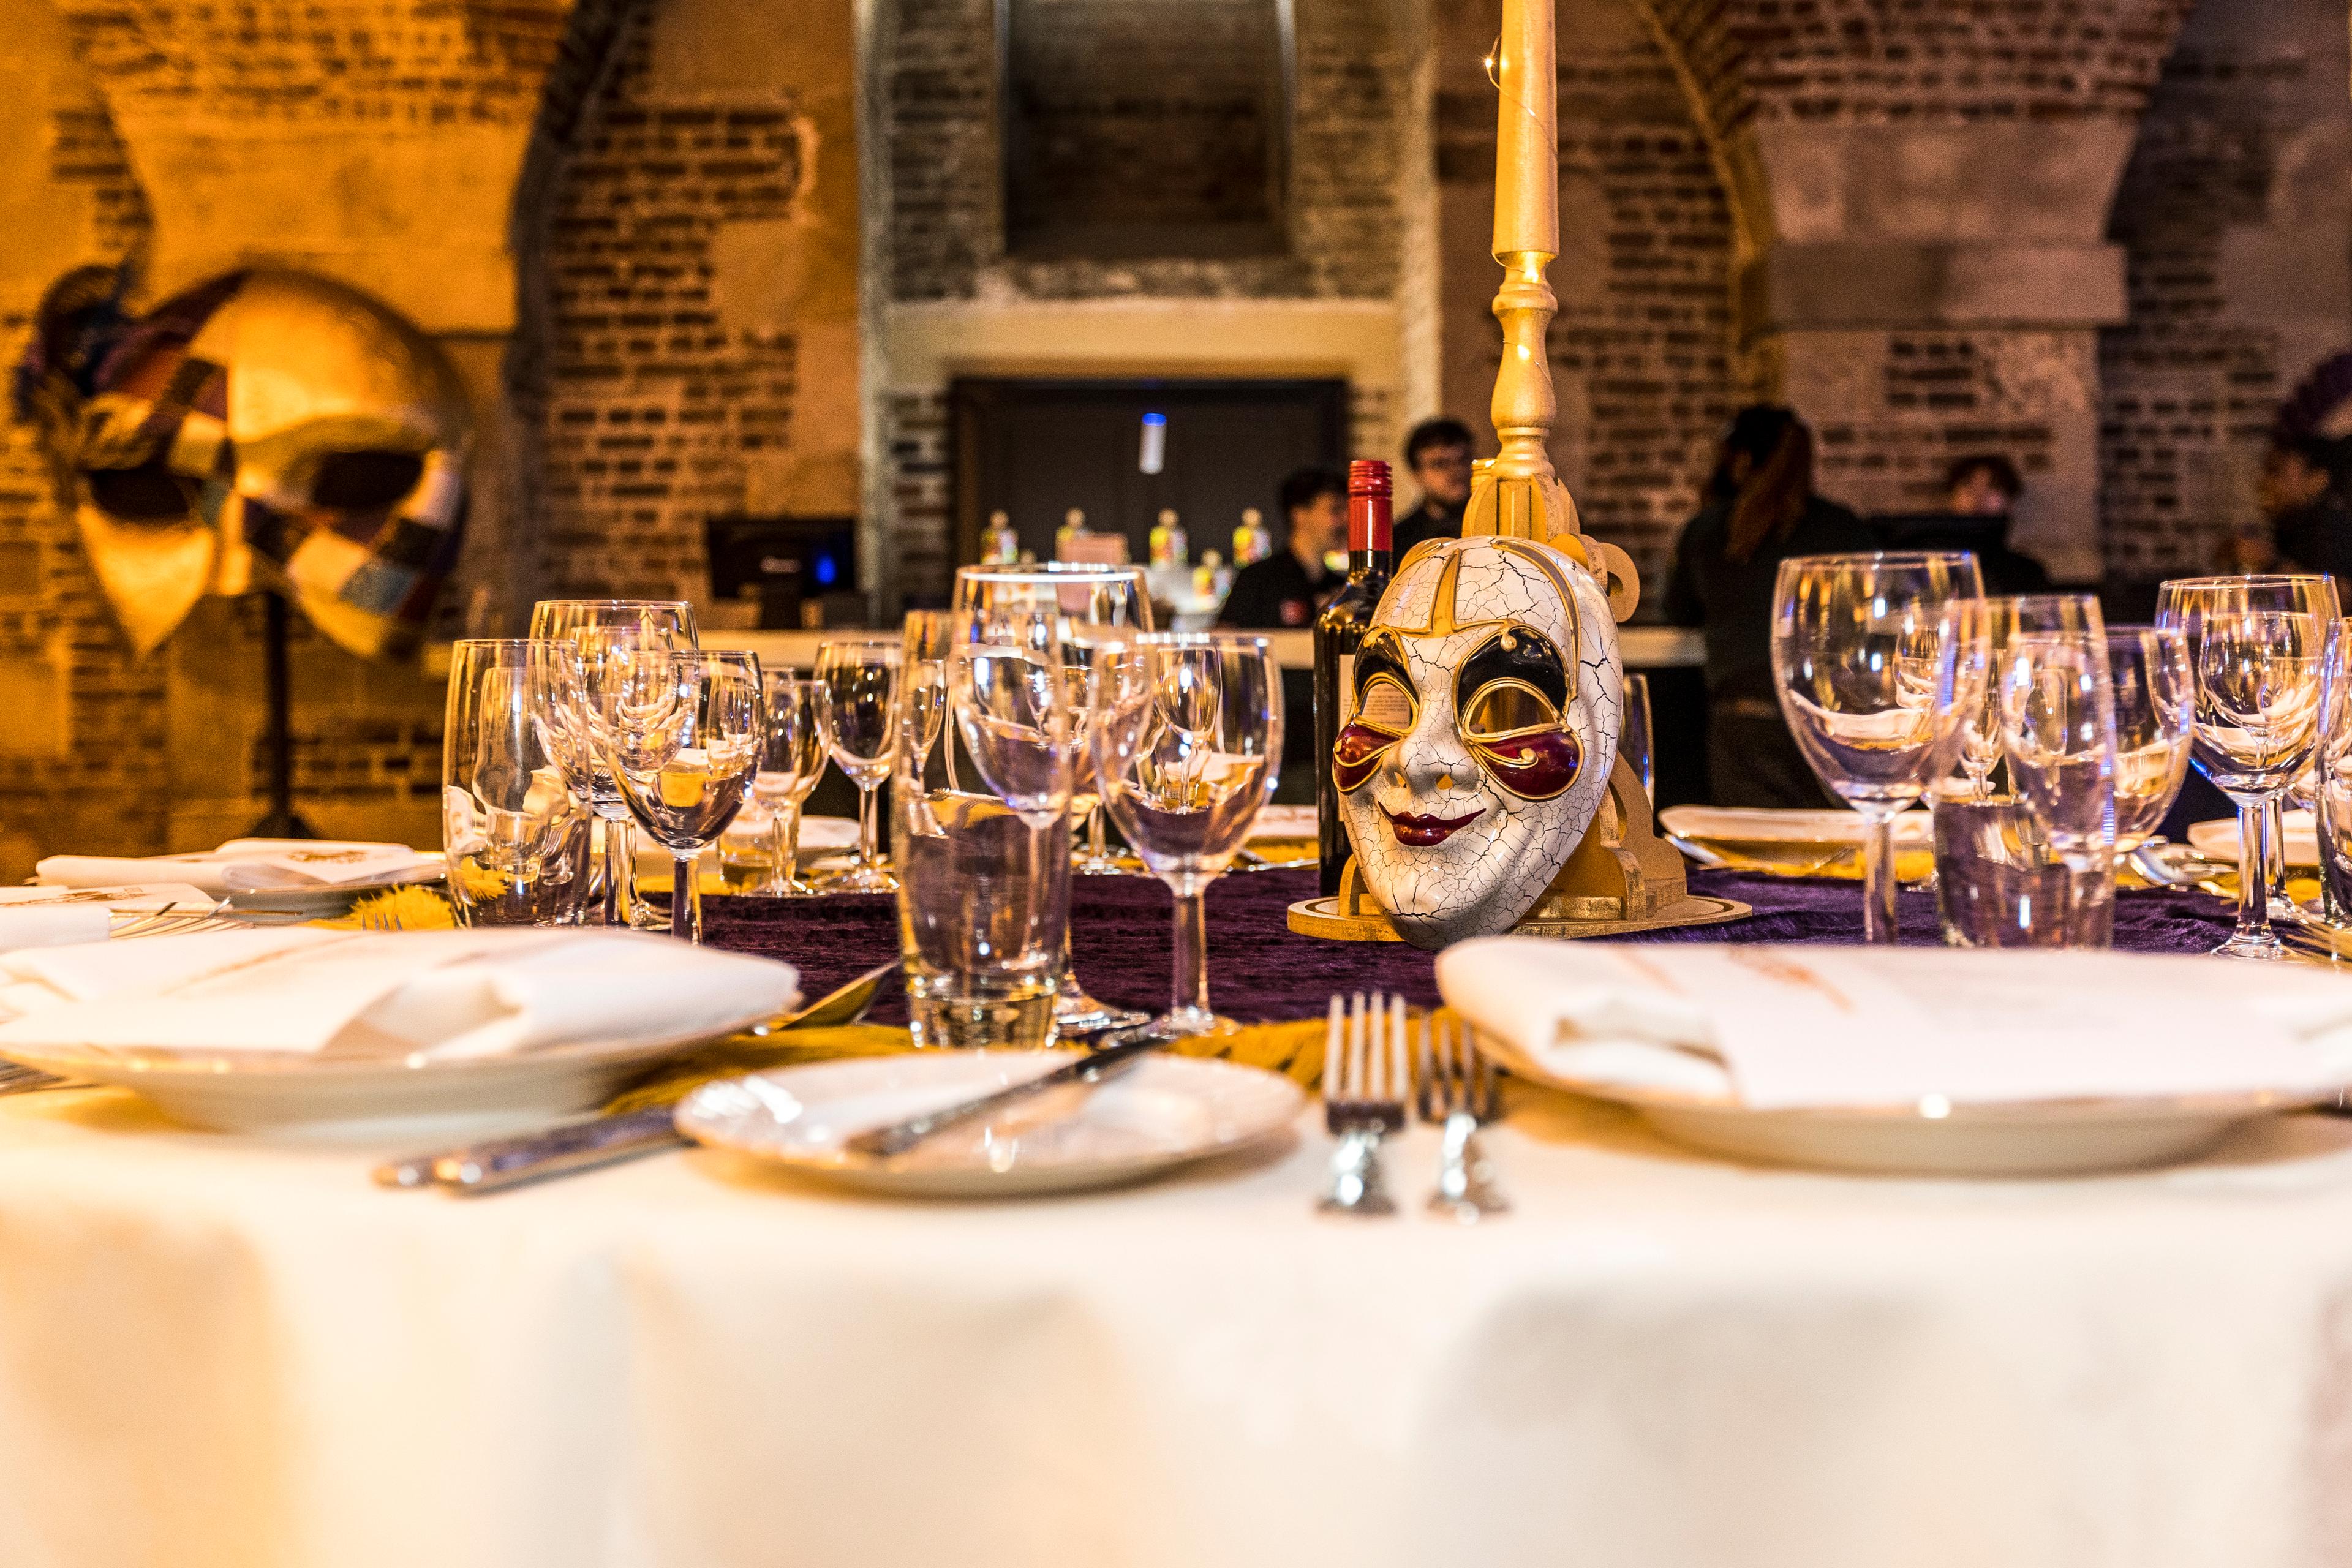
282, 820
1623, 879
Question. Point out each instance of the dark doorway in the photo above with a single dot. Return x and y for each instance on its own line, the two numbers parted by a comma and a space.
1034, 449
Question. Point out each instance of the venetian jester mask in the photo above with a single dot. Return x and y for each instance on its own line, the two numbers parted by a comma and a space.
1484, 727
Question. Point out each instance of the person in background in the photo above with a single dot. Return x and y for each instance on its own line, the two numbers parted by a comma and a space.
1759, 509
2301, 496
1289, 586
1988, 485
1438, 454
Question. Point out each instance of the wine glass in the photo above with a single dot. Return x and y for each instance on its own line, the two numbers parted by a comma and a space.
926, 645
2149, 669
1866, 651
859, 681
1092, 607
683, 734
2332, 781
2256, 646
1098, 603
1187, 744
660, 623
791, 761
2058, 726
513, 828
1634, 733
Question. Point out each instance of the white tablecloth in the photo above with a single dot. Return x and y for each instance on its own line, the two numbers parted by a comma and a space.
213, 1352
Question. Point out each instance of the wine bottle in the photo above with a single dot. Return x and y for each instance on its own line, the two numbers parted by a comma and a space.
1000, 546
1337, 631
1169, 545
1252, 542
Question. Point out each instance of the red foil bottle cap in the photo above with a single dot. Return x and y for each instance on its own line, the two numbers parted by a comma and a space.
1369, 476
1369, 526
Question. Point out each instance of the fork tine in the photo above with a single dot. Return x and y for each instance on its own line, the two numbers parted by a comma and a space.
1424, 1100
1334, 1050
1399, 1064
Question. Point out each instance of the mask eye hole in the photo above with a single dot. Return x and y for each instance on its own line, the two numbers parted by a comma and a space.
1386, 706
151, 492
364, 481
1506, 708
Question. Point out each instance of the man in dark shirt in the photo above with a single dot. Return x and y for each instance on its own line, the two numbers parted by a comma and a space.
1286, 589
1438, 454
2301, 493
1986, 484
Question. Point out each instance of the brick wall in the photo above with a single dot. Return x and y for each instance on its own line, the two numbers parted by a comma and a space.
1641, 351
2233, 213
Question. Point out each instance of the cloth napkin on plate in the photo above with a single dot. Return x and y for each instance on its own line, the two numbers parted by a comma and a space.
442, 994
1756, 825
251, 866
1781, 1028
2219, 838
51, 924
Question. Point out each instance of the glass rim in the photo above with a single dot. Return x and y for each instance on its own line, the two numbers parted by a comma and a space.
1234, 639
656, 604
2222, 579
1880, 557
1048, 572
456, 643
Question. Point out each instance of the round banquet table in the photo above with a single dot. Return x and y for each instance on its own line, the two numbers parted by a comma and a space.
238, 1351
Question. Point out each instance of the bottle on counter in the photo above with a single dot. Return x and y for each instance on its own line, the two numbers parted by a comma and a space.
1211, 581
1074, 523
1169, 545
999, 546
1337, 632
1252, 542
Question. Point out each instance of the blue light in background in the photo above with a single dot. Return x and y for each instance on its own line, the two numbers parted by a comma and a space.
828, 571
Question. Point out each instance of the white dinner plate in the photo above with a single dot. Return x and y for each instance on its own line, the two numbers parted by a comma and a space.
2038, 1138
1285, 822
252, 1091
1913, 829
2218, 839
1164, 1111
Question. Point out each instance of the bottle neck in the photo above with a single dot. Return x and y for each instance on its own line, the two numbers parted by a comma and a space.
1371, 532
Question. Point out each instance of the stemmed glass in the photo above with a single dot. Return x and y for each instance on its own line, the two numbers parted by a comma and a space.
1091, 606
858, 680
1866, 651
2058, 732
2149, 669
683, 732
926, 649
1098, 603
514, 828
2331, 784
2255, 649
1187, 743
593, 623
792, 759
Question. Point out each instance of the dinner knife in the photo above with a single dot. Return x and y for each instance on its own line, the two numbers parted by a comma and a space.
898, 1137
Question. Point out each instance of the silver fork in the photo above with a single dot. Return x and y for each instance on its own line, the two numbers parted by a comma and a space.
1458, 1089
1364, 1084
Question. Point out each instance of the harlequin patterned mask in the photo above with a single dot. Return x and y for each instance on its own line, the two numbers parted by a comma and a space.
1486, 700
266, 418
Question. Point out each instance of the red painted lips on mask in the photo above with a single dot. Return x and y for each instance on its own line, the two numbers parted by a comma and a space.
1421, 832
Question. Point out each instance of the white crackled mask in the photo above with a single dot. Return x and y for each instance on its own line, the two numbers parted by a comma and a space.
1486, 704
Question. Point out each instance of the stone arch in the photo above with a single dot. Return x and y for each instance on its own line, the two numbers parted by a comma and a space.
2235, 221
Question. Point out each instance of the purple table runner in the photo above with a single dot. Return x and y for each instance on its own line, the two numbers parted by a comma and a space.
1258, 969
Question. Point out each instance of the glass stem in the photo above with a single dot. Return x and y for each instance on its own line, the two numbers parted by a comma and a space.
869, 852
2253, 881
1878, 880
685, 899
788, 844
616, 871
2274, 848
1191, 986
1097, 842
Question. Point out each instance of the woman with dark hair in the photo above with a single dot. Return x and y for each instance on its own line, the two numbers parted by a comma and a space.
1760, 509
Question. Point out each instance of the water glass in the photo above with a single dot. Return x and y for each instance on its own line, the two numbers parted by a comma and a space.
2149, 670
791, 761
984, 869
682, 731
515, 833
2331, 779
1866, 653
2256, 646
1633, 735
593, 623
1999, 882
1188, 747
1093, 607
859, 681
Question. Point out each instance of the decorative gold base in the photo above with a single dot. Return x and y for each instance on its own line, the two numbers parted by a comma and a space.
1323, 918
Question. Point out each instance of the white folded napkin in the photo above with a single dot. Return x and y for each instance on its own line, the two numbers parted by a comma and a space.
391, 994
1285, 822
51, 924
251, 866
1756, 824
122, 899
1781, 1028
2219, 838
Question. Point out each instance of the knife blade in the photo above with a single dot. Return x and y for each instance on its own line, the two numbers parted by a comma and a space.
898, 1137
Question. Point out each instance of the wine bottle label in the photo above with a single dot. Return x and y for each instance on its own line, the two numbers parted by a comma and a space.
1347, 691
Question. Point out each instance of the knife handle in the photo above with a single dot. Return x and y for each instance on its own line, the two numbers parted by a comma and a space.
599, 1140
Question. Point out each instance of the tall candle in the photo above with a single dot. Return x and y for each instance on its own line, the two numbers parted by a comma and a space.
1527, 147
